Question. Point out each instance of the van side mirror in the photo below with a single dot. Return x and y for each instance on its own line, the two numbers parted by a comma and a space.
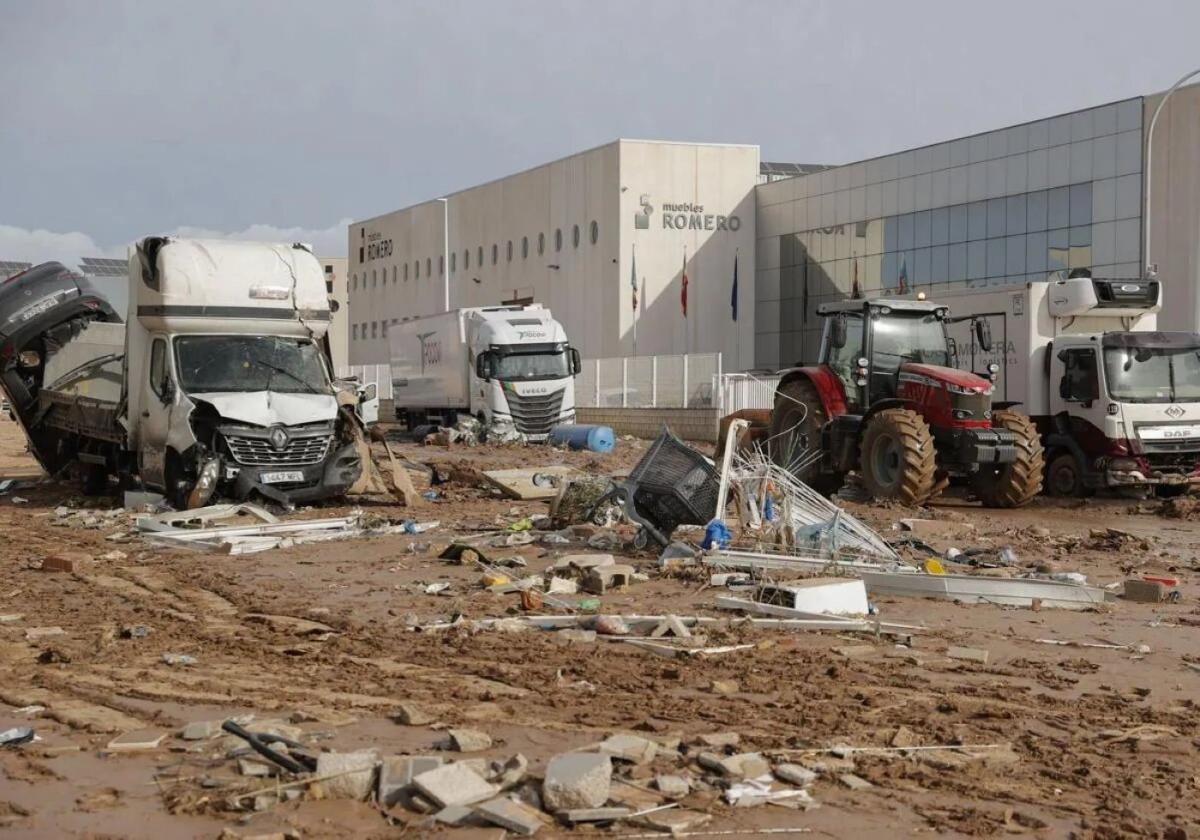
576, 362
837, 331
983, 334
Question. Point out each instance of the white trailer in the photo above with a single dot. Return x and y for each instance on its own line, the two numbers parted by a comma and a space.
1117, 402
501, 365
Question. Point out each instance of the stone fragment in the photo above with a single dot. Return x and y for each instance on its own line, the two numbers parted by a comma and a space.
36, 634
562, 586
740, 766
510, 773
794, 774
671, 626
139, 741
200, 729
724, 687
968, 654
855, 782
631, 748
1144, 591
904, 737
720, 739
454, 815
583, 562
575, 636
66, 561
675, 821
577, 780
586, 815
469, 740
603, 578
250, 767
511, 815
676, 787
410, 714
453, 784
358, 769
854, 651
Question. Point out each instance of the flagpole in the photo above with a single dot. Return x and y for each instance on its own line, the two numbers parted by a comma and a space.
737, 328
687, 327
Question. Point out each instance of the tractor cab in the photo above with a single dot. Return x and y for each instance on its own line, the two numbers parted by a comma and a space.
885, 400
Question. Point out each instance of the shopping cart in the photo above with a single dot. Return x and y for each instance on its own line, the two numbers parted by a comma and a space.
672, 485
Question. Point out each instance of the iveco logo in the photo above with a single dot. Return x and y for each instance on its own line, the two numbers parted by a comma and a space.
278, 437
1175, 412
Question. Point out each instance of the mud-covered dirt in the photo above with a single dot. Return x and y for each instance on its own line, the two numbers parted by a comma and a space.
1100, 741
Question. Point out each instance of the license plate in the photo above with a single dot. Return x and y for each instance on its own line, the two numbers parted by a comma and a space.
281, 477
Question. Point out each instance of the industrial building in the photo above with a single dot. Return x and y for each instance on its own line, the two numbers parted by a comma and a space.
1017, 204
337, 286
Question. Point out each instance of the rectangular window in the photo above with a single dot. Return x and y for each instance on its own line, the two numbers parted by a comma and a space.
1035, 216
997, 216
977, 220
1016, 212
354, 332
958, 223
922, 232
939, 226
1081, 204
374, 329
1058, 214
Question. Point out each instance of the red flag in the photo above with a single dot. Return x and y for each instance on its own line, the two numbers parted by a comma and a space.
683, 292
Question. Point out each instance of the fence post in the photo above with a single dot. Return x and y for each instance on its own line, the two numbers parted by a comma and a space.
654, 381
624, 382
685, 380
596, 386
721, 398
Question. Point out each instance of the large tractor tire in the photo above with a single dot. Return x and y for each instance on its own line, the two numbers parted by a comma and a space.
897, 459
1013, 485
795, 440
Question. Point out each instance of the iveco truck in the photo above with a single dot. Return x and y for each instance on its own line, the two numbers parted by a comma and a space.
504, 365
213, 380
1117, 402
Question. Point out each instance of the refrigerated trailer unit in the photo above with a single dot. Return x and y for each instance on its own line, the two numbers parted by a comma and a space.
1117, 401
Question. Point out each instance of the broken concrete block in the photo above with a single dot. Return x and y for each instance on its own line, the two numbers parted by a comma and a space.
674, 822
453, 784
250, 767
358, 769
671, 626
577, 780
562, 586
510, 773
586, 815
469, 740
631, 748
854, 782
969, 654
575, 636
855, 651
454, 815
904, 737
36, 634
411, 714
200, 730
675, 787
583, 562
67, 561
1144, 591
794, 774
740, 766
603, 578
396, 773
512, 815
724, 687
720, 739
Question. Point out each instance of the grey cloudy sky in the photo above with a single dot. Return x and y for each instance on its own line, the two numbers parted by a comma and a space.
288, 119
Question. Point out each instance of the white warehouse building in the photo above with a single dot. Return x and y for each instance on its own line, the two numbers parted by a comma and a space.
570, 235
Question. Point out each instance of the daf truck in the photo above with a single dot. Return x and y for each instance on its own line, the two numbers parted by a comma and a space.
1117, 402
213, 380
506, 366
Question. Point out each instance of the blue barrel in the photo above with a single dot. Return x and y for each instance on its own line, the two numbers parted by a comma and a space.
595, 438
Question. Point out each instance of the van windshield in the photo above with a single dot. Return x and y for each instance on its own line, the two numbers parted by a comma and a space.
1153, 374
540, 365
219, 363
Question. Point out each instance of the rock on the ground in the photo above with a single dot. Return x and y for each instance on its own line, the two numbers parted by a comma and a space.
469, 740
632, 748
397, 772
453, 784
675, 787
794, 774
412, 714
577, 780
199, 730
740, 766
351, 785
511, 814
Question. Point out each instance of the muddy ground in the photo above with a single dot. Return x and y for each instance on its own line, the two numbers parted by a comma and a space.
1103, 741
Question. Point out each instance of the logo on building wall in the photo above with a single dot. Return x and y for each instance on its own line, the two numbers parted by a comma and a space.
431, 351
641, 221
684, 216
376, 247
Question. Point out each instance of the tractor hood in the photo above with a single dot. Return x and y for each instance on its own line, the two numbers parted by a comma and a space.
942, 376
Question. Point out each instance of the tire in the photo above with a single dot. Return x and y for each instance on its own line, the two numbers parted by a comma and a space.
93, 480
1013, 485
1171, 491
796, 423
897, 459
1064, 478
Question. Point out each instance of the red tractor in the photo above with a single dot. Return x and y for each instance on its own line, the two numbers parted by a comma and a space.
885, 399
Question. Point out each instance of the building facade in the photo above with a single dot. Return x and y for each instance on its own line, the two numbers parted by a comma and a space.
574, 235
337, 286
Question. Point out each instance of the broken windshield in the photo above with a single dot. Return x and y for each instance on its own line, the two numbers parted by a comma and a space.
220, 363
1153, 374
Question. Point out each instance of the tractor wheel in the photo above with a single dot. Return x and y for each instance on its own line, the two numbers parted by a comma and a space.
795, 442
897, 459
1064, 478
1012, 485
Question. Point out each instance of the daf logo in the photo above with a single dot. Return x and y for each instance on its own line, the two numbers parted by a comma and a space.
1175, 412
278, 437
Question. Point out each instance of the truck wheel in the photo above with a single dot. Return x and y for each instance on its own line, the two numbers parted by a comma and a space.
1064, 478
897, 459
795, 441
1012, 485
93, 479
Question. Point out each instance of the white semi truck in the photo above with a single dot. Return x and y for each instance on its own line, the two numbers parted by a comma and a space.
503, 365
214, 379
1116, 401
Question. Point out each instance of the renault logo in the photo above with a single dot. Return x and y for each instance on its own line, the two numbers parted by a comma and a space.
1175, 412
278, 437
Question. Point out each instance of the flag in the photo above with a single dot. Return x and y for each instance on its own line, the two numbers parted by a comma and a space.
902, 284
855, 290
633, 280
733, 295
683, 292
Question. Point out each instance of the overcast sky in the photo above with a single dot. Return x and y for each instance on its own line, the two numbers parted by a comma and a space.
287, 120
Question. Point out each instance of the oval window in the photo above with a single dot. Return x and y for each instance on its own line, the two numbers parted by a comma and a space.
508, 250
594, 231
558, 239
495, 253
541, 244
428, 266
479, 257
524, 247
575, 236
454, 259
466, 259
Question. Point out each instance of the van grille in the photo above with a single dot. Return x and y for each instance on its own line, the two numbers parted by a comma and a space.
253, 448
535, 414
